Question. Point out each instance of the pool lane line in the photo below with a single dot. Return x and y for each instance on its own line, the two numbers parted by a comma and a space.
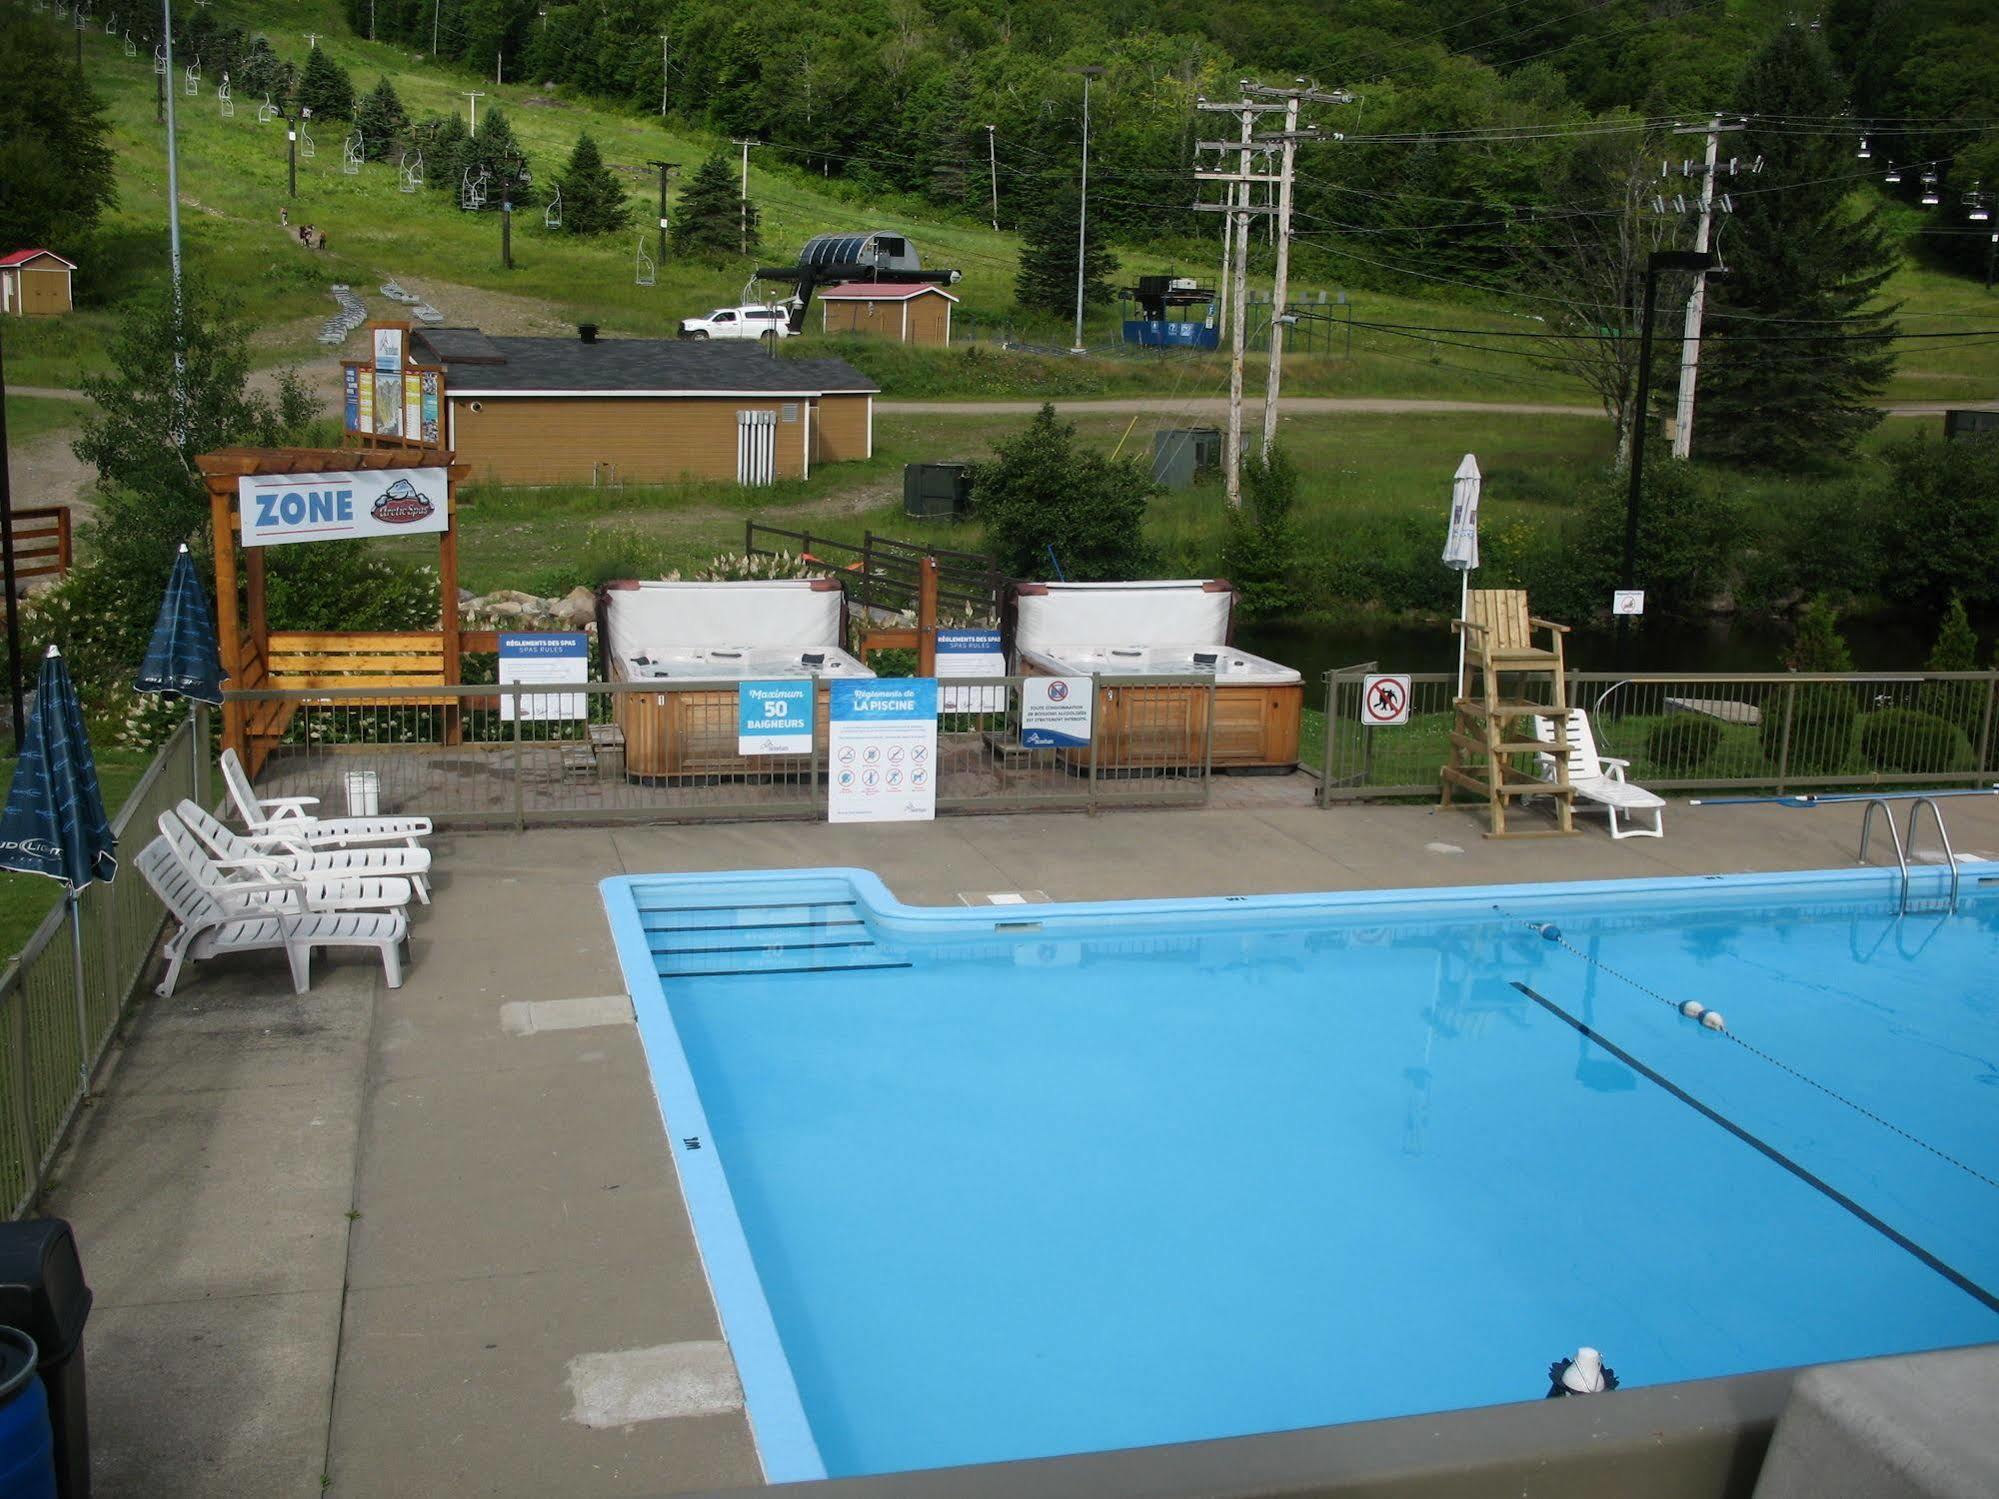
1549, 933
1802, 1173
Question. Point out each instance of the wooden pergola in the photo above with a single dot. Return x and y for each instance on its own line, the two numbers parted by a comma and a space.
254, 658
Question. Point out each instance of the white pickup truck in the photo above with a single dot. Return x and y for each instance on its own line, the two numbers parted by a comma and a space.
755, 321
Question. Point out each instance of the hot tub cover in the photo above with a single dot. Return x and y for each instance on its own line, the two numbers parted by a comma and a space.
1184, 612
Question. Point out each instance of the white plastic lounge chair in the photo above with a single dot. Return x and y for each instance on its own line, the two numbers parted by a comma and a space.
254, 885
288, 814
279, 855
1601, 781
208, 927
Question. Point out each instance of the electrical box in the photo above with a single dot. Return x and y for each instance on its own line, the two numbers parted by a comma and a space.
1181, 453
936, 491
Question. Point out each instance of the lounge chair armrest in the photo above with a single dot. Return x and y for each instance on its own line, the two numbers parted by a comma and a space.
267, 862
1614, 767
288, 806
1465, 624
1548, 624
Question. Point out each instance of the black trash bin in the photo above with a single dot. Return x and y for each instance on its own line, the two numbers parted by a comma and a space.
42, 1293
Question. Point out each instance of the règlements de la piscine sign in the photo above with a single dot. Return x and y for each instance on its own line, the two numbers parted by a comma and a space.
279, 508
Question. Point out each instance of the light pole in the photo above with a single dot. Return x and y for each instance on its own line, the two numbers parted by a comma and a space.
992, 161
1083, 205
1660, 260
291, 142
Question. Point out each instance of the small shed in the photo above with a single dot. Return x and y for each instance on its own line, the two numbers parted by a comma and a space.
36, 283
908, 312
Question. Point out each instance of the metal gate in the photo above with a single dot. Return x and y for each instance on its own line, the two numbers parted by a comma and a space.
756, 447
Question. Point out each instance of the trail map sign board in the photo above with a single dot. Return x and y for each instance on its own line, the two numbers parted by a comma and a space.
280, 508
1384, 700
774, 718
882, 751
552, 657
387, 397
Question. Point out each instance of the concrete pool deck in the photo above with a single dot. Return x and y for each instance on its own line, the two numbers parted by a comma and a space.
428, 1240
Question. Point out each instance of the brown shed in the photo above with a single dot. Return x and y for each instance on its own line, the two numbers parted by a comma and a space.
542, 411
35, 283
908, 312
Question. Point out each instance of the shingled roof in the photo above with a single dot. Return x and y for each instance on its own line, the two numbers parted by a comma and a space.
478, 364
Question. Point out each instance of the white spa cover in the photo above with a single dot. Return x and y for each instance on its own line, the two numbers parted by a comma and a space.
1185, 612
647, 618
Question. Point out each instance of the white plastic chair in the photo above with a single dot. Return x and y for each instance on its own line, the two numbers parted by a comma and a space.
209, 926
280, 855
287, 814
1600, 780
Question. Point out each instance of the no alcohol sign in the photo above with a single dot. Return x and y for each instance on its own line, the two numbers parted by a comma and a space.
1384, 701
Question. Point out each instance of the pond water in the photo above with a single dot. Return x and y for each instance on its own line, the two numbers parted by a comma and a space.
1714, 646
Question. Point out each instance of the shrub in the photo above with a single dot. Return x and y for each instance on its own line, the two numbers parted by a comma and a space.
1910, 742
1683, 743
1041, 492
1956, 649
1260, 551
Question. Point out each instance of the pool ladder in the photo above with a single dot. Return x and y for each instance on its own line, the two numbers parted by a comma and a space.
1905, 843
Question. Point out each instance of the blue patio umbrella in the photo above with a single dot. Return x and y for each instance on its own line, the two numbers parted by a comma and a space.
54, 822
182, 659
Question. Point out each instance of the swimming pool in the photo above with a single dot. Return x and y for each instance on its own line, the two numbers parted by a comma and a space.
985, 1183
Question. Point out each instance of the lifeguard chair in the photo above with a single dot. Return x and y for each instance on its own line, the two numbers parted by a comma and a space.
1518, 681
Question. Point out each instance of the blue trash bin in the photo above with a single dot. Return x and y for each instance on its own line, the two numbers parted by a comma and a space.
27, 1441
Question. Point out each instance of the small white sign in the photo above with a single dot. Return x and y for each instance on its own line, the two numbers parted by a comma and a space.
1628, 601
1384, 700
774, 718
1057, 712
281, 508
971, 653
552, 657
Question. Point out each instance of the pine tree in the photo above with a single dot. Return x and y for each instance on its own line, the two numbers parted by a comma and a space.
593, 200
1799, 262
382, 121
494, 150
1041, 492
56, 170
1046, 280
708, 217
325, 88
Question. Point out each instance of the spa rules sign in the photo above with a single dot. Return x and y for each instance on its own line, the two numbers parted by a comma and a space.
882, 751
279, 508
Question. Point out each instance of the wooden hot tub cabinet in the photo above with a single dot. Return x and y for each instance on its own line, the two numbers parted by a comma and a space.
1146, 727
691, 732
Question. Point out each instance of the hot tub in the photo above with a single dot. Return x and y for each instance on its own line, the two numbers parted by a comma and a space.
720, 634
1163, 629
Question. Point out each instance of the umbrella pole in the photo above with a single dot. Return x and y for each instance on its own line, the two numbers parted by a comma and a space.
1464, 601
76, 960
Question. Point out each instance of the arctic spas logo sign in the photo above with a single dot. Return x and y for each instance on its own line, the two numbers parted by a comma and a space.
281, 508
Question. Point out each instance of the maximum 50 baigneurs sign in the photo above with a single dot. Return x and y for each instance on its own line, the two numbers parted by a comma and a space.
279, 508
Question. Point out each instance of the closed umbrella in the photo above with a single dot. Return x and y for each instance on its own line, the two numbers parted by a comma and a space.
54, 822
1461, 543
182, 660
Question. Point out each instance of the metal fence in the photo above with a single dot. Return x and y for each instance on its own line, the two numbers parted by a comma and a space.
881, 573
603, 752
51, 1039
1688, 732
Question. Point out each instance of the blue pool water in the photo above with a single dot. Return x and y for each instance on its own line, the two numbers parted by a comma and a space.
974, 1184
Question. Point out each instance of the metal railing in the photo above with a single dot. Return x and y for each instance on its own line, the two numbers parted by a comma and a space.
881, 573
1686, 731
46, 1056
605, 752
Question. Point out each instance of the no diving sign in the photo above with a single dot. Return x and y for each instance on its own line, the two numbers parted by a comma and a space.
1384, 701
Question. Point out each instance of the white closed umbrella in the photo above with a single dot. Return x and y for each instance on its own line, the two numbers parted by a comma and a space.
1461, 543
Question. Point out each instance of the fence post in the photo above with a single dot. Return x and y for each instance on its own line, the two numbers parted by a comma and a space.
520, 778
1784, 742
1326, 738
1208, 750
812, 718
1096, 728
749, 537
1985, 728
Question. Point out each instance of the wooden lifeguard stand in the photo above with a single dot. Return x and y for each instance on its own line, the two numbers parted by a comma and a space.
254, 657
1518, 683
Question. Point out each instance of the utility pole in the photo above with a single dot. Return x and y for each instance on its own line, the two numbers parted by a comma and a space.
1281, 287
1699, 262
665, 169
1239, 208
371, 20
665, 83
311, 37
1083, 205
1690, 338
475, 95
434, 7
496, 67
744, 231
992, 161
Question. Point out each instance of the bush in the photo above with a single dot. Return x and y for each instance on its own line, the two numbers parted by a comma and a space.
1260, 551
1682, 744
1907, 741
1939, 509
1040, 492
